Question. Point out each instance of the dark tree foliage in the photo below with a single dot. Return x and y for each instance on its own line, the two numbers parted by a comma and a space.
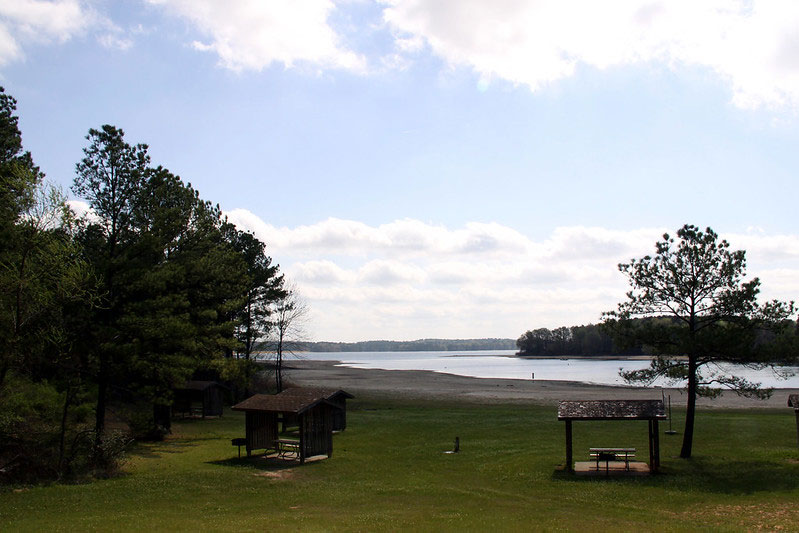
174, 281
265, 286
114, 309
109, 177
44, 285
170, 279
700, 313
588, 340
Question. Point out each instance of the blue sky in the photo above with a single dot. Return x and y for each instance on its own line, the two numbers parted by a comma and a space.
439, 168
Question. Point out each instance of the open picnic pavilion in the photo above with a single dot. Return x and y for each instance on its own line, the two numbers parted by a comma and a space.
315, 425
649, 410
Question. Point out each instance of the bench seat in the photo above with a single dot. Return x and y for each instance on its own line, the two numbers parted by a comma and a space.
611, 454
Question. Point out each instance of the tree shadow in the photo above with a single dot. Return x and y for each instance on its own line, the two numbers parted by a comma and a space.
153, 450
744, 477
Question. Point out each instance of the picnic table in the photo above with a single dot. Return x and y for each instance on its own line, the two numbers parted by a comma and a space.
286, 447
612, 454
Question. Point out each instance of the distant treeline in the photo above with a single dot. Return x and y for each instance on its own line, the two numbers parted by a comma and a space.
576, 340
421, 345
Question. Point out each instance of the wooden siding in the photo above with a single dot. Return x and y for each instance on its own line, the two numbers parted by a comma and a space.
317, 431
261, 430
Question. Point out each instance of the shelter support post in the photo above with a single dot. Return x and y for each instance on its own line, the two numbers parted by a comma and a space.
651, 449
656, 442
797, 425
569, 463
301, 420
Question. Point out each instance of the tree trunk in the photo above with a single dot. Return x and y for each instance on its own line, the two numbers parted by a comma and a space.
279, 361
63, 431
279, 370
3, 372
690, 412
99, 415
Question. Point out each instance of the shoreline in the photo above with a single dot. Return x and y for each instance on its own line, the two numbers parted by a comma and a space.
438, 386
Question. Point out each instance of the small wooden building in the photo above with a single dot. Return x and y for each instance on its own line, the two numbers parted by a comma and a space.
199, 398
336, 397
650, 410
314, 417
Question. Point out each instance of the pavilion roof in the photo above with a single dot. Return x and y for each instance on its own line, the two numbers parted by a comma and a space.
611, 410
279, 403
328, 393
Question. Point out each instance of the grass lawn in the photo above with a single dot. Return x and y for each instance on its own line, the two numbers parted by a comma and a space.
389, 472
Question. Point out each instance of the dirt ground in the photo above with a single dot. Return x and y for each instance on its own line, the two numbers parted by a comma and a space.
423, 384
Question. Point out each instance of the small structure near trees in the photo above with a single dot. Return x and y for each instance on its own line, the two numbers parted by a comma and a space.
793, 401
336, 397
199, 398
649, 410
314, 418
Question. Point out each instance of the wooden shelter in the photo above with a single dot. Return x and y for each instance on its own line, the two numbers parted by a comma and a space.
314, 417
793, 401
336, 397
650, 410
199, 398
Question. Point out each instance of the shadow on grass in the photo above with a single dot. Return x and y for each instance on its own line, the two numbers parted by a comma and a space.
727, 477
741, 477
153, 450
260, 463
172, 444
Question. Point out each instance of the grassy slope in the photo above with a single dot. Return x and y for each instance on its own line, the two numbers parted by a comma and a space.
389, 472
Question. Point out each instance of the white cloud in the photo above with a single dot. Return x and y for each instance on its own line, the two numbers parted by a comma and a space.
410, 279
404, 236
382, 272
57, 19
82, 209
323, 272
753, 45
114, 40
25, 22
253, 34
38, 21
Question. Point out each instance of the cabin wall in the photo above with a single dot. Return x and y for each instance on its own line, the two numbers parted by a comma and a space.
340, 416
317, 431
261, 429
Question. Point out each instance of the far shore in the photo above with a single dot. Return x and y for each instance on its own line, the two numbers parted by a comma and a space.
438, 386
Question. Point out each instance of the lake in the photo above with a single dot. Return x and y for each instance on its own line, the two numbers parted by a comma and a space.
500, 364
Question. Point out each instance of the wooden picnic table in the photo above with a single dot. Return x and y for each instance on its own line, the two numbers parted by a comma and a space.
611, 454
286, 447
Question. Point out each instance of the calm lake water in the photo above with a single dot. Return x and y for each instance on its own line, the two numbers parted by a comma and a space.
497, 364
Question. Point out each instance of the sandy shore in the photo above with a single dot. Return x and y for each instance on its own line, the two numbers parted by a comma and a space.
423, 384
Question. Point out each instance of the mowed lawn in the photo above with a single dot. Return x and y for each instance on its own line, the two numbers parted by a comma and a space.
389, 472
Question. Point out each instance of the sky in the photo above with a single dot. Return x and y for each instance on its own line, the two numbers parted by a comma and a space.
439, 168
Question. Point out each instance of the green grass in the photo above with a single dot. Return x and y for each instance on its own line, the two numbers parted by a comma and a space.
388, 472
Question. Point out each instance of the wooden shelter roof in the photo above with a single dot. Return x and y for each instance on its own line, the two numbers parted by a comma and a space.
279, 403
793, 401
317, 392
611, 410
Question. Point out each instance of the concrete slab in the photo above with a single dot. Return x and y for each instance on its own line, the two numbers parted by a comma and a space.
613, 468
